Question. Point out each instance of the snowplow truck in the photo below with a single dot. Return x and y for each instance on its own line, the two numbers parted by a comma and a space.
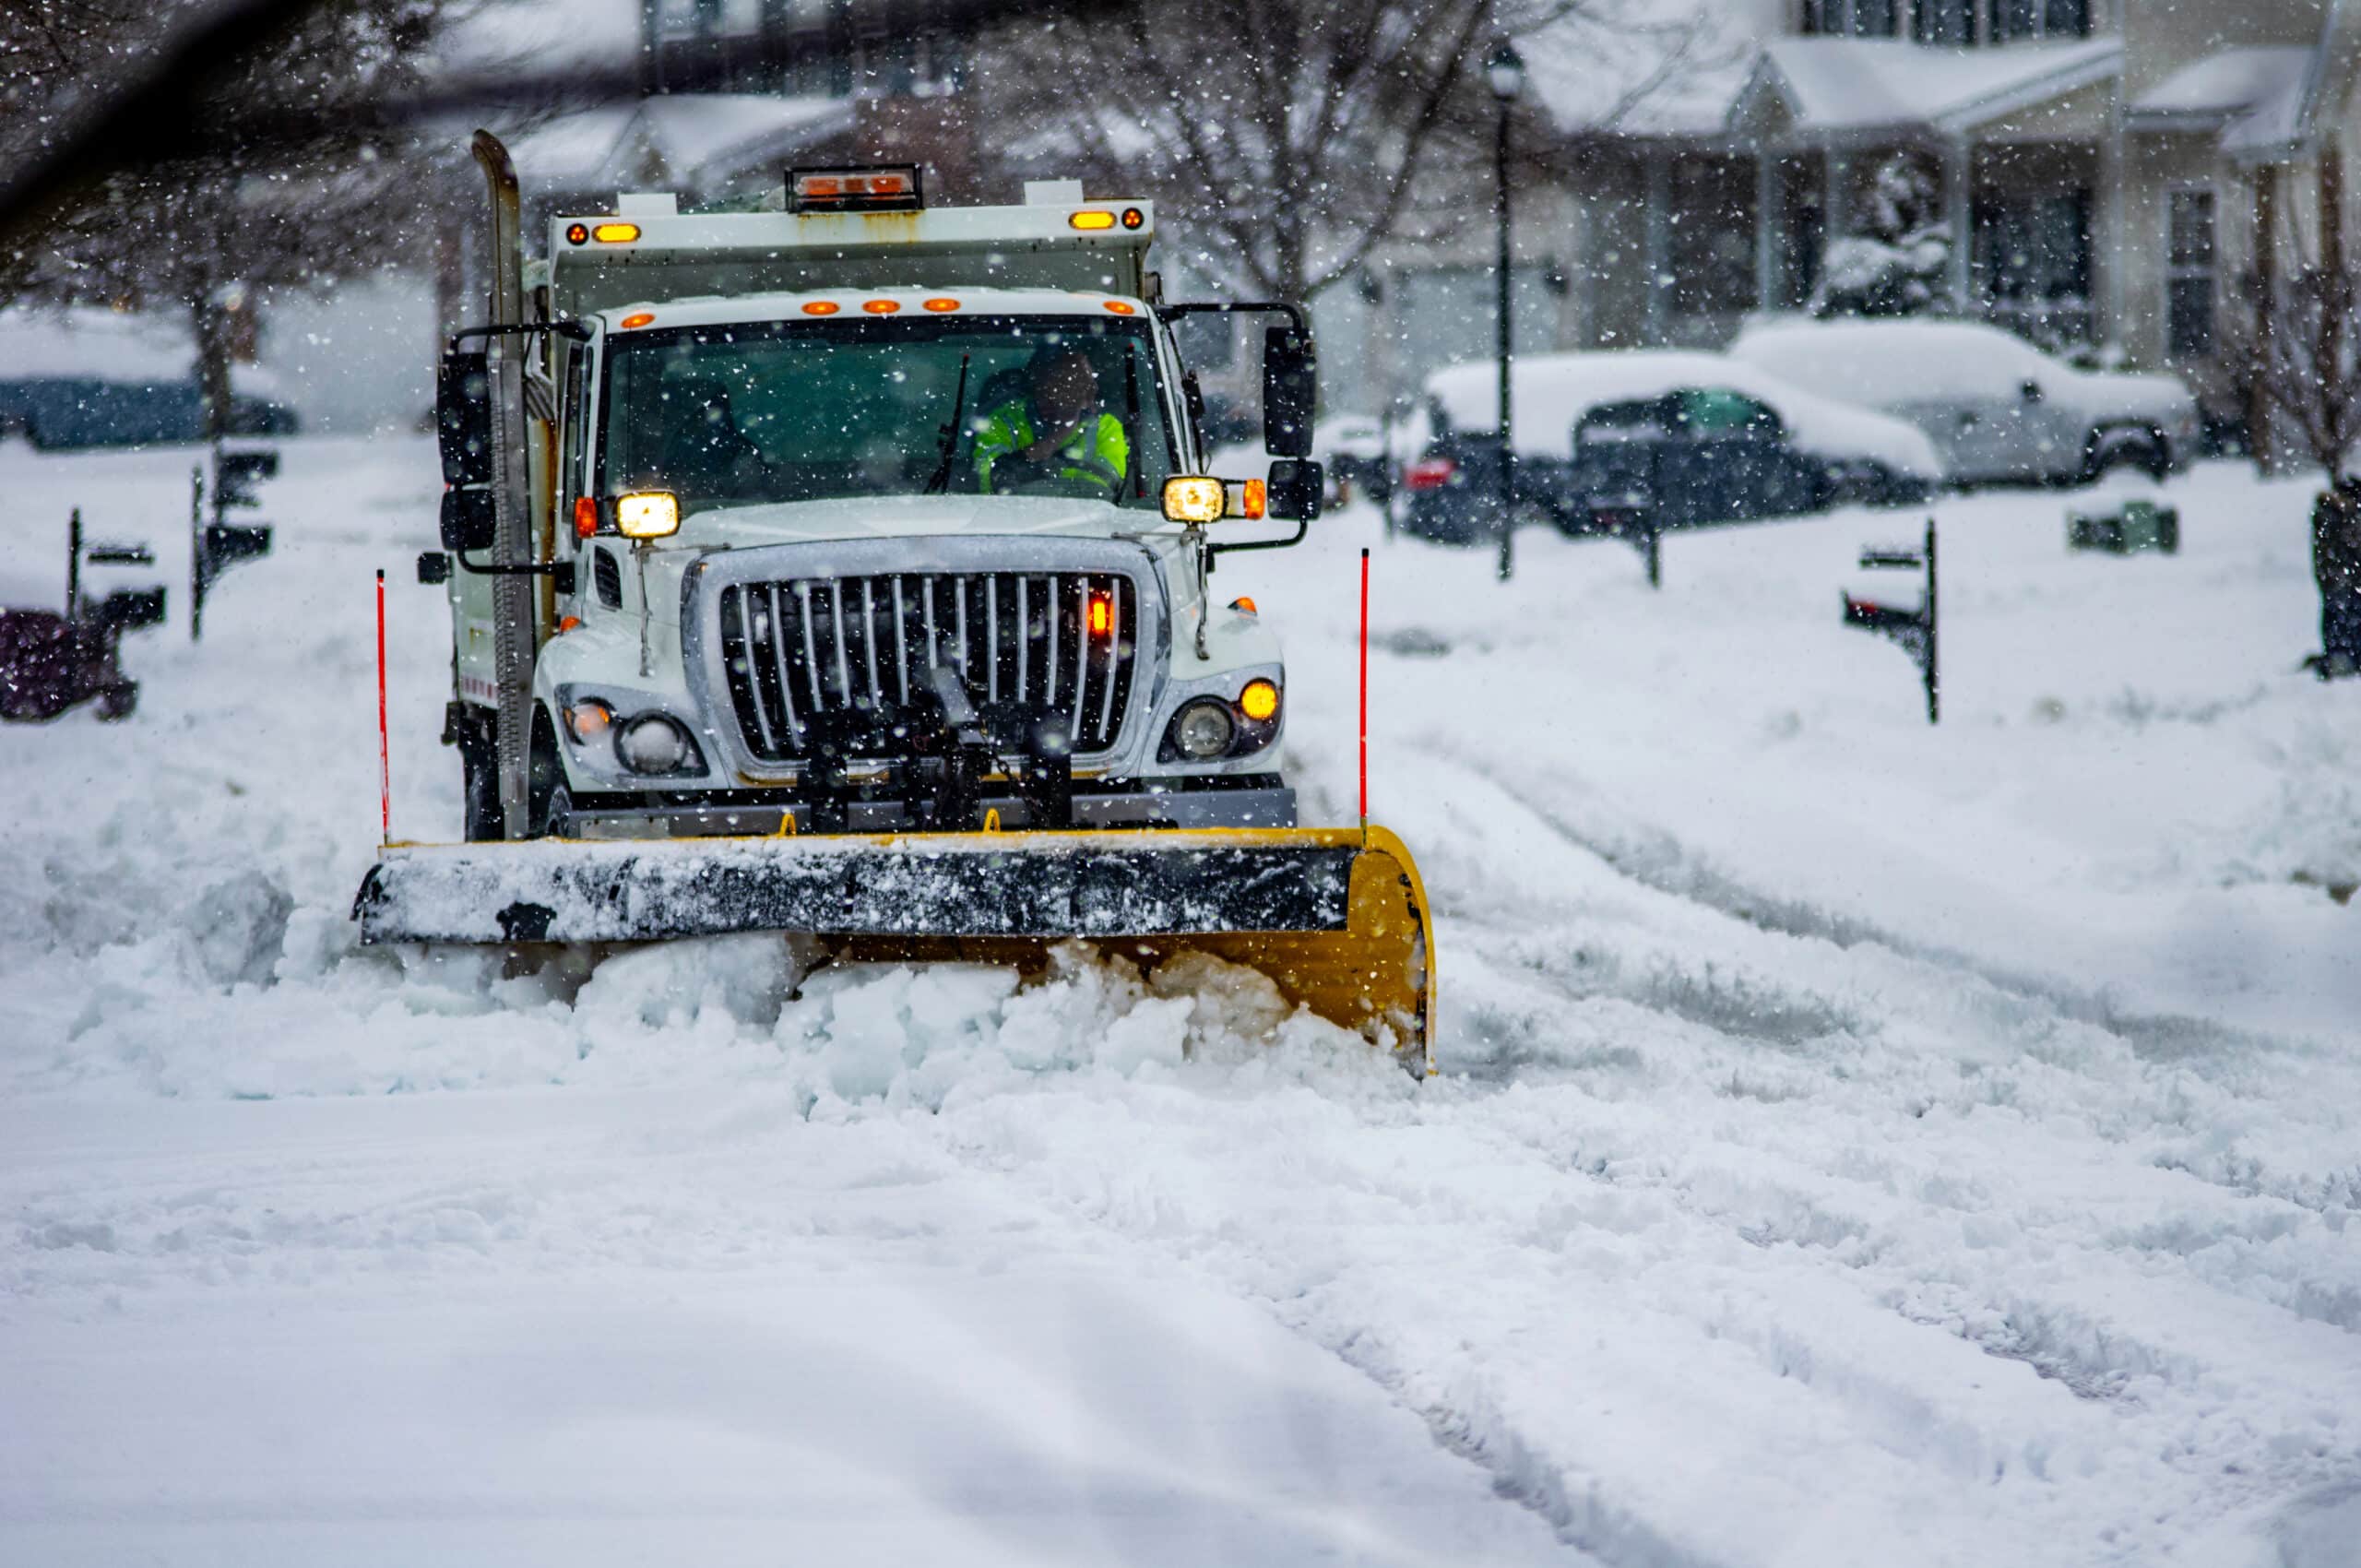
846, 570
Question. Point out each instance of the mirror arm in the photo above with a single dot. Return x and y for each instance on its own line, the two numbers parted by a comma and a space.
561, 570
1302, 527
573, 329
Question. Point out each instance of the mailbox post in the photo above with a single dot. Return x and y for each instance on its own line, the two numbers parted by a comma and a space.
216, 546
1916, 630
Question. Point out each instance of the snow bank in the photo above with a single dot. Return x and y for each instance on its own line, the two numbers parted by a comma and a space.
1551, 391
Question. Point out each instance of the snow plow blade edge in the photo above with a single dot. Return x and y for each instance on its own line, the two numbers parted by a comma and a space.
1335, 917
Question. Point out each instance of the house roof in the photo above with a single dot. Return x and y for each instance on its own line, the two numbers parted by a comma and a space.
2286, 123
1832, 85
2225, 83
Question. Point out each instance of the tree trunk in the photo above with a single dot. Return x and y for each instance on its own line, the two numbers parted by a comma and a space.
2336, 569
211, 327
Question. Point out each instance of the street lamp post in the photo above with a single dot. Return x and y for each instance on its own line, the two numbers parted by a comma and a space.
1505, 70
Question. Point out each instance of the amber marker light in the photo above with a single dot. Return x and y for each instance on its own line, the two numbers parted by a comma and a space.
616, 233
822, 307
586, 517
1193, 499
1133, 218
1092, 219
1102, 616
637, 318
577, 233
941, 305
651, 514
1253, 498
1259, 701
1121, 308
880, 307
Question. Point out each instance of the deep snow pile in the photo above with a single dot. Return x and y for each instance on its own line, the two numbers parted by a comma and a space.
1857, 1141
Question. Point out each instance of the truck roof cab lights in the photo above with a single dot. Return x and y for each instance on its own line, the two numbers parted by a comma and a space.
890, 187
1123, 307
880, 307
821, 307
638, 319
943, 305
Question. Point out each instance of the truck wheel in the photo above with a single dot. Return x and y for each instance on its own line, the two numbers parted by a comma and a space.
480, 790
547, 797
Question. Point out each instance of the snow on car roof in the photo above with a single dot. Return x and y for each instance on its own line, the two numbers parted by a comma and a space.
86, 343
1887, 363
718, 311
1551, 391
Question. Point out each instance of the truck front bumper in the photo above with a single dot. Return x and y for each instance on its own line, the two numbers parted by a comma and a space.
1272, 806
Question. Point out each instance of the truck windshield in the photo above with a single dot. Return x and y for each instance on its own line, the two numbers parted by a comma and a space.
814, 410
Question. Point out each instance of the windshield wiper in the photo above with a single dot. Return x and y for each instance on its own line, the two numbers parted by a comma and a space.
942, 480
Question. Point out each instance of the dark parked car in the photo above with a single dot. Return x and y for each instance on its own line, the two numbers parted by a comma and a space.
58, 412
1452, 492
1693, 457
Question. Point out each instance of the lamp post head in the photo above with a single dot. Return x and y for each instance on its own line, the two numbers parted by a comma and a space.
1504, 67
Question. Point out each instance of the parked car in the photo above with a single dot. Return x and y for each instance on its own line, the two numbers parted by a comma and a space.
1998, 409
91, 378
1737, 444
1351, 449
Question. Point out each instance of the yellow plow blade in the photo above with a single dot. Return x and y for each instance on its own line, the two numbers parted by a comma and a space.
1335, 917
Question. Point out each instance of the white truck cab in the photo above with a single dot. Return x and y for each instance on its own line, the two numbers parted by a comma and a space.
859, 517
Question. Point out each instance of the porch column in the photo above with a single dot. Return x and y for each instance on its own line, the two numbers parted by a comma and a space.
1766, 232
2111, 208
1958, 162
1657, 214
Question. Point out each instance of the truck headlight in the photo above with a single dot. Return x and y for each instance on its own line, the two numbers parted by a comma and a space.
1203, 730
654, 743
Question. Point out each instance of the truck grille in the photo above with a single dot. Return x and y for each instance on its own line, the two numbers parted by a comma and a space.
807, 648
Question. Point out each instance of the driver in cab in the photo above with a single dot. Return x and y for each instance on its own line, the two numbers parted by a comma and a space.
1055, 432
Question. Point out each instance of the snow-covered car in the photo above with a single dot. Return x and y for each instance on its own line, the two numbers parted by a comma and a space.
1782, 449
1999, 410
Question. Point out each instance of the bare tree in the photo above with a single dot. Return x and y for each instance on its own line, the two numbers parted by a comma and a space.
1290, 135
2306, 364
207, 230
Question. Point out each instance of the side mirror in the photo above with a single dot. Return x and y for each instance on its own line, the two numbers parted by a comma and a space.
1295, 490
2031, 391
1289, 390
434, 567
463, 417
468, 522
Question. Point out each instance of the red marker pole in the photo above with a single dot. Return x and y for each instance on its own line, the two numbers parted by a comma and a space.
1364, 689
385, 760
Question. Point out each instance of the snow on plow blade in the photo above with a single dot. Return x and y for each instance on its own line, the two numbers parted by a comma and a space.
1336, 917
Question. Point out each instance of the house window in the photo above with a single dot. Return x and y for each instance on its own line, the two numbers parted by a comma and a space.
1712, 250
1851, 18
2189, 275
2034, 250
1942, 21
2009, 21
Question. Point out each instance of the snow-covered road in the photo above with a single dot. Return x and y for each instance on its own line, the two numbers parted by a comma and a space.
1857, 1144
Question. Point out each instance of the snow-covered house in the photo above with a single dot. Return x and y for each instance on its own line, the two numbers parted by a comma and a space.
2105, 160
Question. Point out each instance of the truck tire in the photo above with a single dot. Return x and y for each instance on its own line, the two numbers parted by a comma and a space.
547, 797
479, 793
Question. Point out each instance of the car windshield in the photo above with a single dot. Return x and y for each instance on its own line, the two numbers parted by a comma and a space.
766, 411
